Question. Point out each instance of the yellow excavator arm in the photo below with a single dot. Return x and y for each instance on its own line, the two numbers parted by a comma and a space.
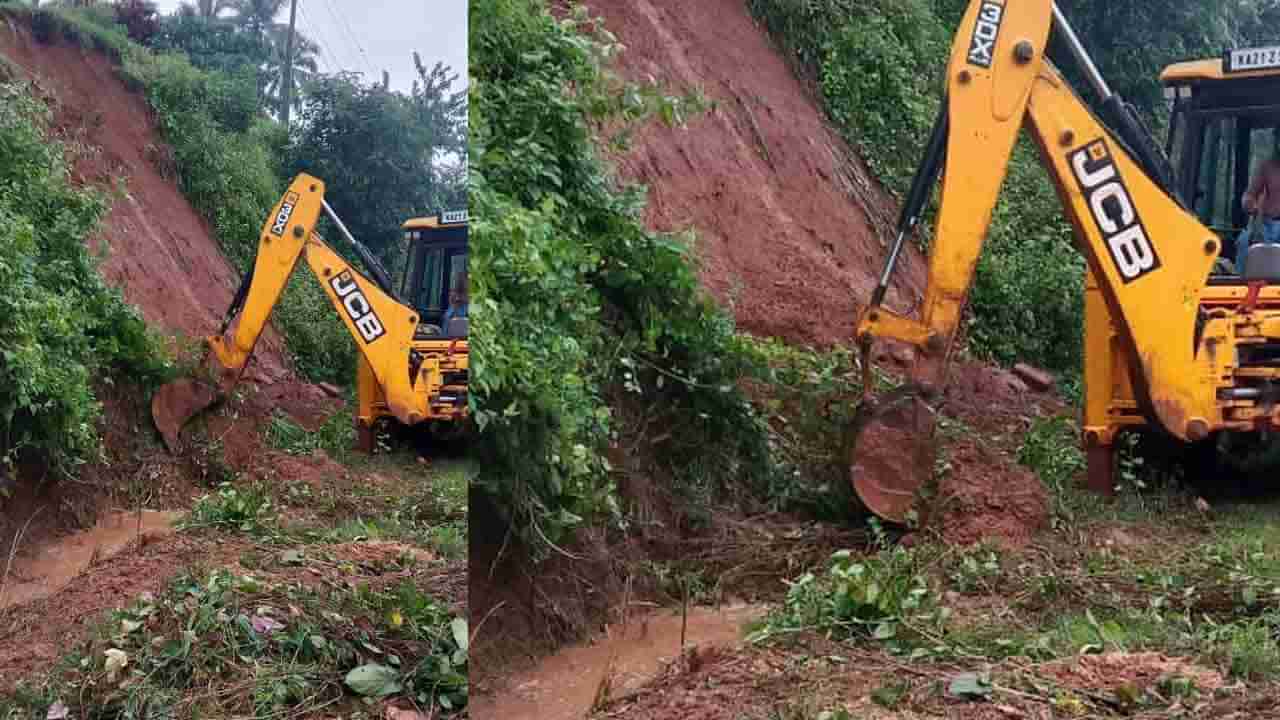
381, 326
1149, 256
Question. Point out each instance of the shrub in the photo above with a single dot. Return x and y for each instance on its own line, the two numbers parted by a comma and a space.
885, 597
574, 300
61, 328
877, 65
245, 509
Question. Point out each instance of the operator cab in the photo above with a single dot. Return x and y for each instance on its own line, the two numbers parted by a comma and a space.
1225, 122
436, 272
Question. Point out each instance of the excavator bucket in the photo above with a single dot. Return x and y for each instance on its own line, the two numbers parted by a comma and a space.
892, 452
176, 403
891, 455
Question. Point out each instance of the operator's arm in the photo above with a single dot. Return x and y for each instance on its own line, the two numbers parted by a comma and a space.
1254, 193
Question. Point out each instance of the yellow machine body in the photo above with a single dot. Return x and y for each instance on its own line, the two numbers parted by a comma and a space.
410, 369
1165, 346
445, 365
1213, 170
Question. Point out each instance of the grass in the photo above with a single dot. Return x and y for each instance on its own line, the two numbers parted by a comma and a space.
1135, 580
313, 620
426, 507
336, 437
220, 643
1203, 590
1144, 572
391, 496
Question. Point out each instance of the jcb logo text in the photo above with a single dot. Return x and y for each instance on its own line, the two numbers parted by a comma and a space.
286, 212
1113, 211
358, 307
982, 47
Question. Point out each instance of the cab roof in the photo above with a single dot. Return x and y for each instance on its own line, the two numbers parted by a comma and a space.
1209, 70
429, 223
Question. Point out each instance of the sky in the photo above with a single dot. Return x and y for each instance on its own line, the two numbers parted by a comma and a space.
372, 36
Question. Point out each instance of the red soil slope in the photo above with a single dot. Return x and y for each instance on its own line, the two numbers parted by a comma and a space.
792, 229
160, 253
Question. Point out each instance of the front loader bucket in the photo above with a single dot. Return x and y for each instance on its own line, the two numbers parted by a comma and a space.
892, 453
176, 403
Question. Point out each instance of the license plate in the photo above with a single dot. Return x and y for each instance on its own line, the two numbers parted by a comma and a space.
1266, 58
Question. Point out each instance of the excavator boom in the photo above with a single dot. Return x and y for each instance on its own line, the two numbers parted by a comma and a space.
382, 327
1150, 257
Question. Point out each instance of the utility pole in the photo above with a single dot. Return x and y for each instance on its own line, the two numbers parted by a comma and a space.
287, 90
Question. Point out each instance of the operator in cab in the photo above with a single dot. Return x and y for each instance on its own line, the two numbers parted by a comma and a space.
459, 300
1263, 199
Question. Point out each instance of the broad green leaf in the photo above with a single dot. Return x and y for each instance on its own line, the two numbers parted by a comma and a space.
885, 631
459, 628
374, 681
970, 686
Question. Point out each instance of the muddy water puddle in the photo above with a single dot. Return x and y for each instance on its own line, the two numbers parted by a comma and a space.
564, 686
56, 564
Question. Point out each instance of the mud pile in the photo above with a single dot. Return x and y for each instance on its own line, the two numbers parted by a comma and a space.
791, 227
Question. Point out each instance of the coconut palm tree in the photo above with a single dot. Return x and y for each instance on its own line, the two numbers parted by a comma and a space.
305, 67
208, 9
258, 16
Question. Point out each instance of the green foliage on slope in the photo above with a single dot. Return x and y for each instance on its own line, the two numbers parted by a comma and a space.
587, 327
61, 329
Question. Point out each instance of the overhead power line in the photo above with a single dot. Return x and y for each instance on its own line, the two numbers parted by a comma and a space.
316, 32
341, 21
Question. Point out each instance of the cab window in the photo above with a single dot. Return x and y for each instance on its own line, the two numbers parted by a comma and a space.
437, 262
1217, 171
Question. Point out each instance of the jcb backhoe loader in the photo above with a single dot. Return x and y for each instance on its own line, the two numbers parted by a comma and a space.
413, 363
1170, 343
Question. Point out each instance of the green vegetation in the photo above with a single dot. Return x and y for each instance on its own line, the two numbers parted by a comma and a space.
885, 597
587, 327
424, 509
377, 151
807, 399
1201, 593
336, 437
61, 329
246, 509
867, 58
281, 646
398, 500
232, 160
